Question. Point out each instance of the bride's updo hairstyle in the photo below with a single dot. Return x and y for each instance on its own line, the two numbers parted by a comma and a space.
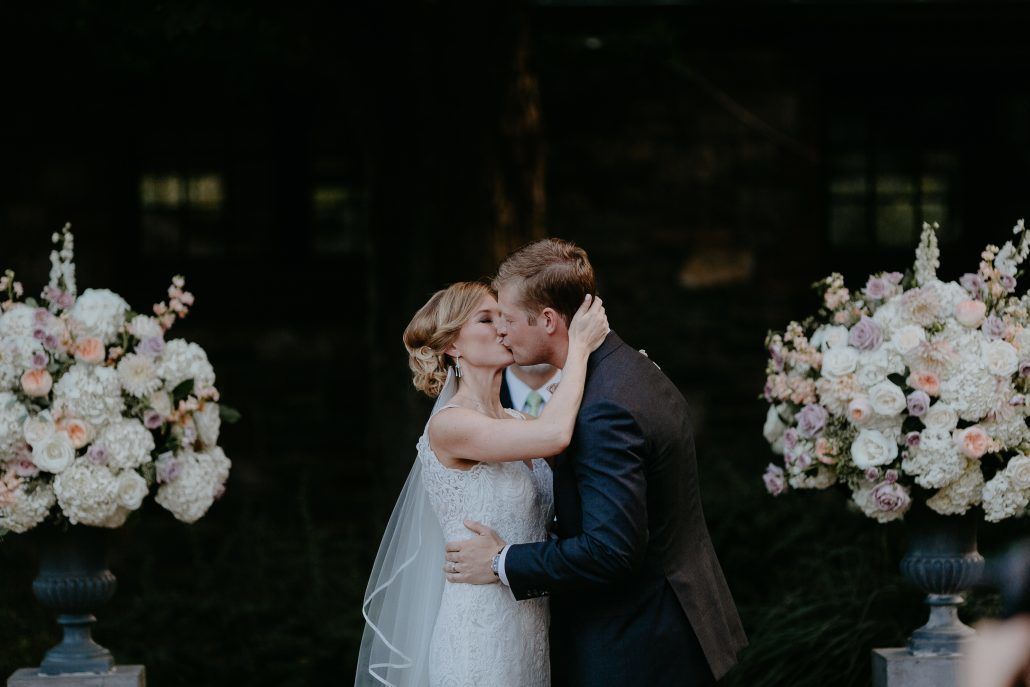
434, 328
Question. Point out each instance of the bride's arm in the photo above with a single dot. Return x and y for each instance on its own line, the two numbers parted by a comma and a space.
460, 433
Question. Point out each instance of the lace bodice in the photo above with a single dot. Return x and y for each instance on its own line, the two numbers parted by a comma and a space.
482, 635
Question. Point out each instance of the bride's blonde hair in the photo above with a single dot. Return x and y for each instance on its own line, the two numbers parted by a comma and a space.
435, 327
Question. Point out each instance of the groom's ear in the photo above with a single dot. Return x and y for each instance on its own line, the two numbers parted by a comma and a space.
552, 321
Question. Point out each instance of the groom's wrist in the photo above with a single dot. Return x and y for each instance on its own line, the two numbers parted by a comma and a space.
499, 560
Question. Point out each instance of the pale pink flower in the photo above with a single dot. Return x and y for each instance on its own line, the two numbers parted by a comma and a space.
971, 313
37, 382
90, 350
972, 441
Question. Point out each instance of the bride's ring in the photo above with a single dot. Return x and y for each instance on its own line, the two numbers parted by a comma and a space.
451, 567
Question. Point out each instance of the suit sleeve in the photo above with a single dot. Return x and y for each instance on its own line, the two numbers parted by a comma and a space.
609, 468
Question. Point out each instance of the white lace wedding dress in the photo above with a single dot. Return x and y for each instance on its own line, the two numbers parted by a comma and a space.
483, 637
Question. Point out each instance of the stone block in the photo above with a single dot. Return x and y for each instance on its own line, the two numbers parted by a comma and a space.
120, 676
898, 668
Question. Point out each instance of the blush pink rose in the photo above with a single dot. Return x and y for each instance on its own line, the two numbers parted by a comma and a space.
77, 430
971, 313
925, 381
37, 382
972, 441
90, 350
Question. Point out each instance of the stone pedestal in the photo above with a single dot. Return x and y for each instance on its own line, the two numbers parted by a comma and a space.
899, 668
119, 676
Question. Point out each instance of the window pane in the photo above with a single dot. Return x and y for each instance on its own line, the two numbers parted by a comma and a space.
895, 223
161, 190
853, 184
160, 234
206, 191
847, 224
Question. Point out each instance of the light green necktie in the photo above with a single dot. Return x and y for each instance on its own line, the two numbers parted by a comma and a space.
533, 403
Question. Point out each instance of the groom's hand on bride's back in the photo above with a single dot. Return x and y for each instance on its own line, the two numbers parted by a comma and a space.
471, 561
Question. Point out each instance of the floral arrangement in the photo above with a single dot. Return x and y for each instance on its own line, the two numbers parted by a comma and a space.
911, 388
97, 407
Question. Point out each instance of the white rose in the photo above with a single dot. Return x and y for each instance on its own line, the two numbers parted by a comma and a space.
1001, 358
940, 416
840, 361
908, 339
873, 367
830, 336
887, 399
774, 427
55, 454
132, 489
38, 429
871, 448
1018, 472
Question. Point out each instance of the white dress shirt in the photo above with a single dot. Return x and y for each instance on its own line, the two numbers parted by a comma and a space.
519, 391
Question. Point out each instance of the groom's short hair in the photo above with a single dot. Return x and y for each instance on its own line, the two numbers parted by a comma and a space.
550, 273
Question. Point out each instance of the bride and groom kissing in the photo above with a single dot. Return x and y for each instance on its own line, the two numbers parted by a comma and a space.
566, 549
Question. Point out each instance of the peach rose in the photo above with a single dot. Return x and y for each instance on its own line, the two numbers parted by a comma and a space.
972, 441
971, 313
37, 382
860, 410
90, 350
78, 431
925, 381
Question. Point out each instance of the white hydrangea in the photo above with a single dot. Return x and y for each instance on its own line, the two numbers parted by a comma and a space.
99, 313
970, 390
201, 477
87, 493
117, 519
936, 462
138, 375
836, 392
15, 358
891, 317
1001, 499
90, 392
18, 321
209, 423
12, 416
1008, 425
1018, 471
963, 493
182, 360
28, 510
127, 442
144, 327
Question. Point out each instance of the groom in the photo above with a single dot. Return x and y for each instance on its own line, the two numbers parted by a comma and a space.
637, 593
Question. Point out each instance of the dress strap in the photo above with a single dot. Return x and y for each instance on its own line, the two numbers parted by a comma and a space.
444, 407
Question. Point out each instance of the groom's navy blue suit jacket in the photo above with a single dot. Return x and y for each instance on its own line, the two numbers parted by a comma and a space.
637, 593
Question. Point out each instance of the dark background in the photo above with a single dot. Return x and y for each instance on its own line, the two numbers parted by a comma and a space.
317, 169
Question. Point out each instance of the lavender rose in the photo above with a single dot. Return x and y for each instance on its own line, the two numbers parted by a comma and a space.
1008, 282
151, 346
891, 497
973, 283
812, 420
993, 327
775, 482
790, 438
1024, 369
912, 439
918, 403
866, 335
876, 288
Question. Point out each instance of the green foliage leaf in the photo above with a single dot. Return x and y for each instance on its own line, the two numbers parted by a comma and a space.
182, 391
228, 414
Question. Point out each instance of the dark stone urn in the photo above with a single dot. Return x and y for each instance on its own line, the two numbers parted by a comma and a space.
942, 560
73, 582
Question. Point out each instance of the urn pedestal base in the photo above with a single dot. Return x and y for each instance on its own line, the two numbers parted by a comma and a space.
899, 668
118, 676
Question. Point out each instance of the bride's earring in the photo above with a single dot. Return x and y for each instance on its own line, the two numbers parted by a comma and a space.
457, 368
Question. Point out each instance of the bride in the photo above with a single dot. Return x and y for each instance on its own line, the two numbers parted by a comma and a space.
476, 461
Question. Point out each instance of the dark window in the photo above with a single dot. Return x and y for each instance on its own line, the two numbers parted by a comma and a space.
183, 214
